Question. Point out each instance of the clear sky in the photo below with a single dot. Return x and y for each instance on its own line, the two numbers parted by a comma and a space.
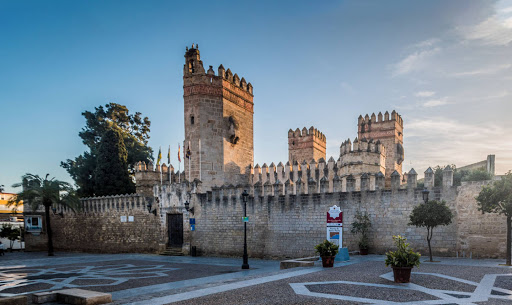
445, 66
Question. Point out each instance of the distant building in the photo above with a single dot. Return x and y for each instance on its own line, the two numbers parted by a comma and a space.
7, 213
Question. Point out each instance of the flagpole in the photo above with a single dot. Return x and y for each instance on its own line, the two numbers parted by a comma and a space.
179, 164
189, 158
199, 159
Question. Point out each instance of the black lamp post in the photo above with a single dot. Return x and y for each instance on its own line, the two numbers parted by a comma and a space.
425, 195
245, 264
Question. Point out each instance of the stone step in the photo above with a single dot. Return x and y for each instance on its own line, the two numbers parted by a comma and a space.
83, 297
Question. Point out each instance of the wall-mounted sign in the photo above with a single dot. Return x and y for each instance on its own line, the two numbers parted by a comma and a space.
192, 227
130, 218
123, 218
245, 219
192, 221
334, 217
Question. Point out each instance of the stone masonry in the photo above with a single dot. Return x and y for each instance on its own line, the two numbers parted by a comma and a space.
306, 145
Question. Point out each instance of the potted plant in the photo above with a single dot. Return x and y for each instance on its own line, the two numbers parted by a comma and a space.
402, 260
362, 225
327, 251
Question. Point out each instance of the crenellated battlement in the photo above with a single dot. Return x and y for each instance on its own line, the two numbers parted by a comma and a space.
379, 118
307, 132
234, 79
308, 144
363, 145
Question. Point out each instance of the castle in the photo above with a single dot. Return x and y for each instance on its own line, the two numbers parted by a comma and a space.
218, 116
202, 205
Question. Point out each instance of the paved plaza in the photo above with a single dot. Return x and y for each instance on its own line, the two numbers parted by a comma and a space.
153, 279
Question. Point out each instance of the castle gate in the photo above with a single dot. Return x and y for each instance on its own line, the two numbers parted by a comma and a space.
175, 229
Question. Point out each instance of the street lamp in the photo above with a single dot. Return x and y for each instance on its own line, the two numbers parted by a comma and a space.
425, 195
245, 264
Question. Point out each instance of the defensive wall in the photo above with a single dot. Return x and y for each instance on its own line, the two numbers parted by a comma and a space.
285, 219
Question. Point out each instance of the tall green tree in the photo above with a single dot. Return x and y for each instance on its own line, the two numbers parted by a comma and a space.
111, 175
11, 233
46, 192
135, 133
430, 215
497, 198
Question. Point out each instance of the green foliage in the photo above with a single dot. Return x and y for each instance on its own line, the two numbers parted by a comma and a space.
135, 133
431, 214
11, 233
477, 175
111, 175
497, 197
460, 175
362, 225
46, 192
327, 248
404, 256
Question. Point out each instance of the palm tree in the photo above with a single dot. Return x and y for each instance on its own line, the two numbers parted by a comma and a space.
47, 192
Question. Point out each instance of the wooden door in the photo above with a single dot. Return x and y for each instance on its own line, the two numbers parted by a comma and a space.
175, 229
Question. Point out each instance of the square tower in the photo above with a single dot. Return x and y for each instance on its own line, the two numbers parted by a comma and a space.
306, 145
389, 131
218, 124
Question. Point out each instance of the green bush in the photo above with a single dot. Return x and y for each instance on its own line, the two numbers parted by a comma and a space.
362, 225
404, 256
327, 248
477, 175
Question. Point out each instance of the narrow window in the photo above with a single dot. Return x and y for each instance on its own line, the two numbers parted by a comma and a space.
192, 120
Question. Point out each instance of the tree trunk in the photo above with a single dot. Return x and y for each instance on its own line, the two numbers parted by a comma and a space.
48, 229
508, 240
429, 237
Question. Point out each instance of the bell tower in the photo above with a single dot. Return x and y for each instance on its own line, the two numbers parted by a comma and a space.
218, 123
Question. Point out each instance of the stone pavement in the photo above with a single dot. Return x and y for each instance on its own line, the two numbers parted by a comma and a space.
153, 279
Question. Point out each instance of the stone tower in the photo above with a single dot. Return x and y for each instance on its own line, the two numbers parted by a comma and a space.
218, 123
389, 131
306, 145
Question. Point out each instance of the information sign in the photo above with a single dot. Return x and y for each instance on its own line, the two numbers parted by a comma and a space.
192, 221
245, 219
123, 218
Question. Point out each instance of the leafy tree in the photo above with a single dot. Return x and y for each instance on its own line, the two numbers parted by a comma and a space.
135, 133
11, 233
46, 192
111, 175
477, 175
362, 225
430, 215
497, 198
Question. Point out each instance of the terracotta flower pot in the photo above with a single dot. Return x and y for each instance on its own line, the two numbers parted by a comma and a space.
363, 251
402, 274
327, 261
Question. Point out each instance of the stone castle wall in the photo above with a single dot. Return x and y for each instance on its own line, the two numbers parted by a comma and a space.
280, 225
291, 225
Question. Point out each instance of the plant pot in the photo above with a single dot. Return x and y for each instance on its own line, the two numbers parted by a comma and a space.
402, 274
363, 251
327, 261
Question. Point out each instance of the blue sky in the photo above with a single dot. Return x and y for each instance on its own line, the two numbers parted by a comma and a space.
445, 66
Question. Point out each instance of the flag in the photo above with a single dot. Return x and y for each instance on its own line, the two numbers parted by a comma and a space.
169, 155
159, 156
179, 159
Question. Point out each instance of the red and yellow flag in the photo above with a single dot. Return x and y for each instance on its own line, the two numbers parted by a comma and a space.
179, 159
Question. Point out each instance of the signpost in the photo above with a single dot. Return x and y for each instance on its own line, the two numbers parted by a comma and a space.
335, 225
